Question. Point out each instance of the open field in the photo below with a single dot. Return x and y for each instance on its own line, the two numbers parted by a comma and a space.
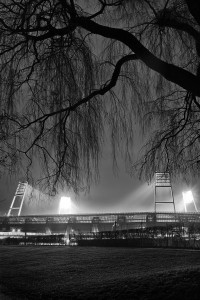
98, 273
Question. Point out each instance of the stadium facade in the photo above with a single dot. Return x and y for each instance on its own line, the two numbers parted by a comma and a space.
107, 226
63, 228
95, 222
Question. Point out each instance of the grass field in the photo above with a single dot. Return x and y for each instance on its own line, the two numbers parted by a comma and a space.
98, 273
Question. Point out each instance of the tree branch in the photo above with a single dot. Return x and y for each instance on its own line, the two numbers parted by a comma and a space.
172, 73
194, 8
101, 91
176, 24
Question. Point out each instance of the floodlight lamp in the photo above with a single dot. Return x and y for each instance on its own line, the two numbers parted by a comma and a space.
188, 197
65, 205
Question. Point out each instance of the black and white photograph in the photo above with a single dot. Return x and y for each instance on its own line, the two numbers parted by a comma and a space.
99, 149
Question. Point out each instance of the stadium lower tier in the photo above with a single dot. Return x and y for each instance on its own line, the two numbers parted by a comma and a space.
84, 223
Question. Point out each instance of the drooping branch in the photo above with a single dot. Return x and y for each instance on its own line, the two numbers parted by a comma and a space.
194, 8
101, 91
173, 73
47, 49
167, 19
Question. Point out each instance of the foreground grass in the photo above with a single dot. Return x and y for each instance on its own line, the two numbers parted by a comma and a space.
98, 273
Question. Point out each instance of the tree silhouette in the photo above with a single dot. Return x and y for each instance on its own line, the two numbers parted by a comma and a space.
71, 70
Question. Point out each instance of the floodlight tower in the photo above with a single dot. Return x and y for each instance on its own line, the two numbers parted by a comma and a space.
188, 198
65, 208
65, 205
163, 181
18, 200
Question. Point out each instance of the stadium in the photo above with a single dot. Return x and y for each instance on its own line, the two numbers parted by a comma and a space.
145, 229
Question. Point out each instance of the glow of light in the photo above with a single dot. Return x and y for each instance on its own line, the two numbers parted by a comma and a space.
65, 205
141, 195
188, 197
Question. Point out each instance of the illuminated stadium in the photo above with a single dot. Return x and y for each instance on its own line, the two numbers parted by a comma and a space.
131, 228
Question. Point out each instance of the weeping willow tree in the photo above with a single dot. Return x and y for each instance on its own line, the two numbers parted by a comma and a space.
73, 71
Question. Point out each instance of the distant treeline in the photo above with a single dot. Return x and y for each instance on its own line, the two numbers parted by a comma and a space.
168, 235
191, 230
57, 239
173, 235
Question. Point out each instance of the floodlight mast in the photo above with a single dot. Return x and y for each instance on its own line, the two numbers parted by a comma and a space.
184, 203
65, 205
163, 181
16, 206
188, 198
